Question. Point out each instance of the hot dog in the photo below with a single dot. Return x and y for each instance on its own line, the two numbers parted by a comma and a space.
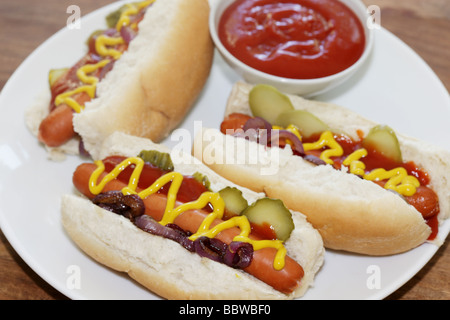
265, 276
123, 81
365, 187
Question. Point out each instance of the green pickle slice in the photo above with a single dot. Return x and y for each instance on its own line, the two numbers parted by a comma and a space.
273, 213
161, 160
307, 123
384, 140
234, 201
267, 102
55, 74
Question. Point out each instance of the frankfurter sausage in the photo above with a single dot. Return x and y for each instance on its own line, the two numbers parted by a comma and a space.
424, 200
57, 128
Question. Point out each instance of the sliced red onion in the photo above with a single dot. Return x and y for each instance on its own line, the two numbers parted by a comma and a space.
239, 255
150, 225
110, 32
235, 255
106, 69
254, 135
213, 249
239, 133
258, 129
127, 34
314, 159
179, 229
296, 146
257, 123
82, 150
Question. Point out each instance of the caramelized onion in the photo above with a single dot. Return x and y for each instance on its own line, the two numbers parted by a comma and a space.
235, 255
150, 225
239, 255
129, 206
213, 249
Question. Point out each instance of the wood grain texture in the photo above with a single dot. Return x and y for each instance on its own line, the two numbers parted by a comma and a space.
25, 24
424, 26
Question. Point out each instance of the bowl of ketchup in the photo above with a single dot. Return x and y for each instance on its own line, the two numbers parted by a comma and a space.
303, 47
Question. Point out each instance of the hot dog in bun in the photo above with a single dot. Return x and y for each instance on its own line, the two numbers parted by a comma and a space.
141, 75
183, 231
365, 187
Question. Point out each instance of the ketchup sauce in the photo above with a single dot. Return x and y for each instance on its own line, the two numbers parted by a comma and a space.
299, 39
190, 189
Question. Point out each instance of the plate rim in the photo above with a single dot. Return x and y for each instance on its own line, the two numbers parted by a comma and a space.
14, 241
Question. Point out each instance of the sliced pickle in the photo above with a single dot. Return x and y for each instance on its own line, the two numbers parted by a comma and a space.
234, 201
158, 159
384, 140
113, 17
307, 123
200, 177
55, 74
271, 212
267, 102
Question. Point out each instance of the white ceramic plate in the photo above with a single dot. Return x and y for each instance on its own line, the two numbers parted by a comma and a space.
396, 87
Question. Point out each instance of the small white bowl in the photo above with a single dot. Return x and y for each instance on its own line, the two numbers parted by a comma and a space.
303, 87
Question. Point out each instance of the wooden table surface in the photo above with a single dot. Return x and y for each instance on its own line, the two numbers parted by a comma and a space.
25, 24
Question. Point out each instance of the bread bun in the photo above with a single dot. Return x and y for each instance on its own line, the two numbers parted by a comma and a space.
154, 84
351, 214
165, 267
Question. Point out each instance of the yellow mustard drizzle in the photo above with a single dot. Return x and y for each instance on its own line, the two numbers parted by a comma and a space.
132, 9
101, 46
82, 73
66, 97
102, 43
352, 161
91, 81
326, 140
171, 212
398, 178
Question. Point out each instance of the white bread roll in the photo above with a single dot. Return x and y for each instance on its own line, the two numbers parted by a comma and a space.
154, 83
351, 214
162, 265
